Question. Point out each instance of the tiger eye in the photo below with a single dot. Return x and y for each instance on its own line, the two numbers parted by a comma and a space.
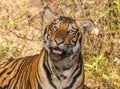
55, 27
48, 36
70, 32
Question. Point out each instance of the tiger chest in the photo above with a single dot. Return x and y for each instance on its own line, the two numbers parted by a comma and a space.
68, 83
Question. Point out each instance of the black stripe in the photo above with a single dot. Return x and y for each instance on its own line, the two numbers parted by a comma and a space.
2, 72
45, 31
80, 41
21, 69
75, 70
78, 65
48, 73
67, 68
12, 68
6, 64
74, 80
77, 75
48, 65
18, 70
39, 86
80, 85
63, 76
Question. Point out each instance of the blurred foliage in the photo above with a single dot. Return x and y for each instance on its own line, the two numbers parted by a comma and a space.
21, 26
7, 49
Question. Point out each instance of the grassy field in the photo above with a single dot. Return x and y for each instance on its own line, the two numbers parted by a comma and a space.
21, 26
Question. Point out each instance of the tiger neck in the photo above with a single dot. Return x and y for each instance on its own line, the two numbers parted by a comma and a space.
67, 65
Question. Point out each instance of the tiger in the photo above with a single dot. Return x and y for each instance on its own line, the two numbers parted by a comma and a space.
59, 65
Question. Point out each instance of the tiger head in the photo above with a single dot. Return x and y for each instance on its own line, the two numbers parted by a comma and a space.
63, 36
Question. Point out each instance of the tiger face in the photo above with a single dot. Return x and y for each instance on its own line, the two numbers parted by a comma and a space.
64, 36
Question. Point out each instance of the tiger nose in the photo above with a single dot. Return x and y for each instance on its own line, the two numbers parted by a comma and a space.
59, 40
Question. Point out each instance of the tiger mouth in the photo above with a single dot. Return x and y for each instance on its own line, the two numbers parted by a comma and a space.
57, 52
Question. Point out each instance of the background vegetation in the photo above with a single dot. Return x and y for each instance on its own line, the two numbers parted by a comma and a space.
21, 25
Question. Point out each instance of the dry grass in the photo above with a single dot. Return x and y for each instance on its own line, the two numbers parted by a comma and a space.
21, 26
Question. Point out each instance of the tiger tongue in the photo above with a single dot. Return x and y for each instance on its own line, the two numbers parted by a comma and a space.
57, 51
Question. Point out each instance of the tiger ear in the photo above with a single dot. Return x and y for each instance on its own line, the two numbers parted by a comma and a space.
48, 14
87, 26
